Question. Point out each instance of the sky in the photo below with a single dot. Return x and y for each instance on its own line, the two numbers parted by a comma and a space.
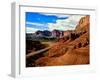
44, 21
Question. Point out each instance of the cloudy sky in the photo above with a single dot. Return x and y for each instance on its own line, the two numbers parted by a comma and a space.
42, 21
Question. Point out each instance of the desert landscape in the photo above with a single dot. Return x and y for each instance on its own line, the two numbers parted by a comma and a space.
58, 47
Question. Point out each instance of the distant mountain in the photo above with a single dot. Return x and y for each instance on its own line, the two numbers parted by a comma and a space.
44, 33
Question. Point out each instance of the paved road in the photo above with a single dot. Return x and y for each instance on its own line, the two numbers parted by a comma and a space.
36, 52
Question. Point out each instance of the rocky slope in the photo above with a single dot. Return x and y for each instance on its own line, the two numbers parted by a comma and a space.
69, 50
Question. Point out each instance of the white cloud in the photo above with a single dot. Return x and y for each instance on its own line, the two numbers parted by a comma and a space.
66, 24
37, 24
30, 30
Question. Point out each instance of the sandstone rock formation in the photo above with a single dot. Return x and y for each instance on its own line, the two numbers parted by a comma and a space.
70, 50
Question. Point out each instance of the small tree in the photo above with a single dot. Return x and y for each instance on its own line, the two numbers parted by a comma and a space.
80, 45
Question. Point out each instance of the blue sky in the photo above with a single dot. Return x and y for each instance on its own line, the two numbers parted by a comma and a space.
44, 21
